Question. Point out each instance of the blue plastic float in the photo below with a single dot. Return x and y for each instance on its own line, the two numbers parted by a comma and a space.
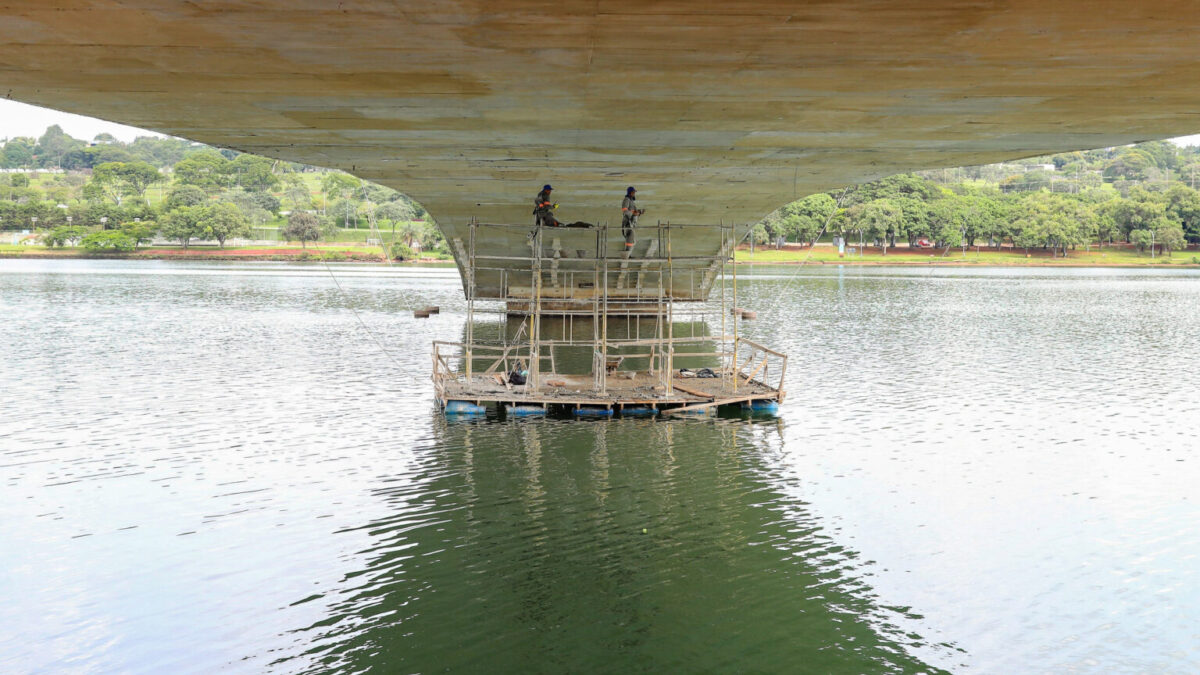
638, 411
464, 408
525, 411
592, 411
763, 406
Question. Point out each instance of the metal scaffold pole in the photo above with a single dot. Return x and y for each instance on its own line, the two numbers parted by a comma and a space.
471, 296
670, 313
724, 310
602, 256
535, 328
734, 370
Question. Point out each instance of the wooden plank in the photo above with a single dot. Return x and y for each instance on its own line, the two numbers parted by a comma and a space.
724, 401
693, 392
750, 377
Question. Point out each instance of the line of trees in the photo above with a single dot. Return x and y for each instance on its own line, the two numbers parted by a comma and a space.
203, 194
1142, 195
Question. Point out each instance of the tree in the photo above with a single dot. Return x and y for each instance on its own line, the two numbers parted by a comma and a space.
65, 235
1183, 207
223, 221
1137, 212
409, 232
205, 169
1141, 239
345, 210
1169, 237
297, 192
107, 178
302, 227
186, 195
117, 179
253, 173
161, 152
1131, 164
804, 219
879, 219
183, 224
139, 231
18, 153
1052, 220
944, 221
139, 176
336, 184
431, 238
108, 241
395, 211
249, 204
53, 145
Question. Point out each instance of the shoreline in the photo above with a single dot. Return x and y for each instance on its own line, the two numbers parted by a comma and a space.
1109, 258
229, 254
962, 263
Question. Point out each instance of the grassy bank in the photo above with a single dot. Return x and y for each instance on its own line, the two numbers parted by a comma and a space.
329, 253
983, 257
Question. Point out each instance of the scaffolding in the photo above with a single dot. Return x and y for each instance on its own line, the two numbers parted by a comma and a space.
596, 327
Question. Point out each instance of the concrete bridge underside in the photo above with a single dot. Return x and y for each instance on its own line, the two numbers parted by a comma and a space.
717, 111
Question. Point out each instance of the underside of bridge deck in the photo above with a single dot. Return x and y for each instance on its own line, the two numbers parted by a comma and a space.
717, 112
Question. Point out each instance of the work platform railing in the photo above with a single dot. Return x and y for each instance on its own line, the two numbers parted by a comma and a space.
741, 362
633, 312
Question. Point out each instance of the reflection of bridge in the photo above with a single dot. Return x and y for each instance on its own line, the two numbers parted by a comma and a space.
570, 274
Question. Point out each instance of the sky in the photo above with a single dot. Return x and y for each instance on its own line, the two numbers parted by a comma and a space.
22, 119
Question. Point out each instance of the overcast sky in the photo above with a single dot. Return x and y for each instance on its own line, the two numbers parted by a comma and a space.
21, 119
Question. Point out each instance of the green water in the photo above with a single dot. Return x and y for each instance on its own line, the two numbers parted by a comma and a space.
215, 468
631, 545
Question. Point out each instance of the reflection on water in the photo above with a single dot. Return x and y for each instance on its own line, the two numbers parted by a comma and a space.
565, 546
212, 467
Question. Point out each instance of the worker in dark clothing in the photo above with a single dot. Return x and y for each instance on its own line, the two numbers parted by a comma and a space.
543, 209
629, 217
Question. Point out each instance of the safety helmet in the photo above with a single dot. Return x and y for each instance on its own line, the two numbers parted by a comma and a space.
547, 187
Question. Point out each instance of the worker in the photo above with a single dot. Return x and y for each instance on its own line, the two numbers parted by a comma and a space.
629, 217
543, 209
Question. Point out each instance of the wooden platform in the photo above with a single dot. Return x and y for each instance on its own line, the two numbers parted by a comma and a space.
625, 389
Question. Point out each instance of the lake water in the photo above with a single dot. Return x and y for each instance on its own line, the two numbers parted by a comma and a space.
212, 467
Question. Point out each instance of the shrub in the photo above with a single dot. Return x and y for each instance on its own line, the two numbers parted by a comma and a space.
65, 235
400, 251
109, 241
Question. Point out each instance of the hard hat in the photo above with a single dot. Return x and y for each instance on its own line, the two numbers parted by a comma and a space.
547, 187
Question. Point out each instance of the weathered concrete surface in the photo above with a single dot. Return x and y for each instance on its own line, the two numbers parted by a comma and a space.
717, 111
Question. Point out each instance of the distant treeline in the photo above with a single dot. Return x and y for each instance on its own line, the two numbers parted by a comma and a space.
1136, 194
73, 190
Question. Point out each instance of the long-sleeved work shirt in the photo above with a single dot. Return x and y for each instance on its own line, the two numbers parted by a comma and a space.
629, 210
541, 204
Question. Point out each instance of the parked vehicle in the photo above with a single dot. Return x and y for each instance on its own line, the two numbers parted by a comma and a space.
922, 243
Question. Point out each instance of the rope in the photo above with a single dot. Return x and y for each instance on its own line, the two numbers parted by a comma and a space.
779, 296
362, 323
